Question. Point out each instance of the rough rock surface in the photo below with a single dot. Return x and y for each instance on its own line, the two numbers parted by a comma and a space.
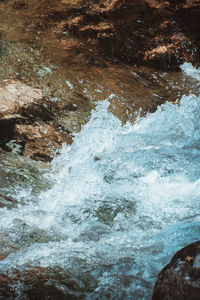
150, 32
76, 52
15, 95
22, 122
45, 283
180, 279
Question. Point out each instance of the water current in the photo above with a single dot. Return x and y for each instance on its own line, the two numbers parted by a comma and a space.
124, 200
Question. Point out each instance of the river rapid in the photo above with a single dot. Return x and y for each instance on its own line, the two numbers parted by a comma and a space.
123, 200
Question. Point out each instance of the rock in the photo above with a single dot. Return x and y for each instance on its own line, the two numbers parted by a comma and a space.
19, 132
20, 171
2, 257
50, 56
16, 95
6, 201
125, 31
146, 32
41, 140
46, 283
180, 279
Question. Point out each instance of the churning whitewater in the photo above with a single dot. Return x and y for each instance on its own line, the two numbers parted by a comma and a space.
124, 200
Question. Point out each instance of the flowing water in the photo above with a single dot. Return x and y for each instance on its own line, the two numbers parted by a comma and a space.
124, 199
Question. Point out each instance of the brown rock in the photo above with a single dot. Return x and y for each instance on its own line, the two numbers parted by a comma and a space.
180, 279
94, 45
20, 106
41, 140
119, 30
15, 95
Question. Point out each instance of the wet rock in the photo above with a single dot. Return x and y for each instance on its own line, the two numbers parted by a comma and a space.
45, 283
3, 46
180, 279
15, 146
19, 132
121, 31
144, 32
51, 55
6, 201
41, 140
22, 172
15, 95
2, 257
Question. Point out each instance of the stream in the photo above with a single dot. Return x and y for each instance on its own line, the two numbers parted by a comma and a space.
122, 201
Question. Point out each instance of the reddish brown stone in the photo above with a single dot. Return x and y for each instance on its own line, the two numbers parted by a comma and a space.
125, 30
2, 257
41, 140
180, 279
14, 95
20, 105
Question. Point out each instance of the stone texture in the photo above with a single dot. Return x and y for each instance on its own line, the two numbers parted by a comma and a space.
180, 279
15, 95
118, 47
46, 283
147, 32
41, 140
20, 106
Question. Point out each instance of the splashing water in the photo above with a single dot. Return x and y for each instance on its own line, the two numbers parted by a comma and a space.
124, 200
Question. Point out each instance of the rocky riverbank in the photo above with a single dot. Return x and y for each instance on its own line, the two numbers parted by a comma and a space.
72, 53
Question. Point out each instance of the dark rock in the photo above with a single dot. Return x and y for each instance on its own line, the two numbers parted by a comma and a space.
146, 32
45, 283
3, 47
180, 279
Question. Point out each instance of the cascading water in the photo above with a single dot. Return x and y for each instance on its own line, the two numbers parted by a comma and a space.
124, 200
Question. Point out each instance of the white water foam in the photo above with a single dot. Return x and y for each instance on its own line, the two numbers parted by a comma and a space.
124, 200
191, 71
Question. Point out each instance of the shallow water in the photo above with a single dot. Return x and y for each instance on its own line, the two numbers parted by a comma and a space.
124, 200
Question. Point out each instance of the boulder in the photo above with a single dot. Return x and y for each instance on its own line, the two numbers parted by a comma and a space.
21, 106
180, 279
15, 95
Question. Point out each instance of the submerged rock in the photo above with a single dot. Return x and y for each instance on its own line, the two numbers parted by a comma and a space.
45, 283
18, 173
180, 279
146, 32
42, 140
